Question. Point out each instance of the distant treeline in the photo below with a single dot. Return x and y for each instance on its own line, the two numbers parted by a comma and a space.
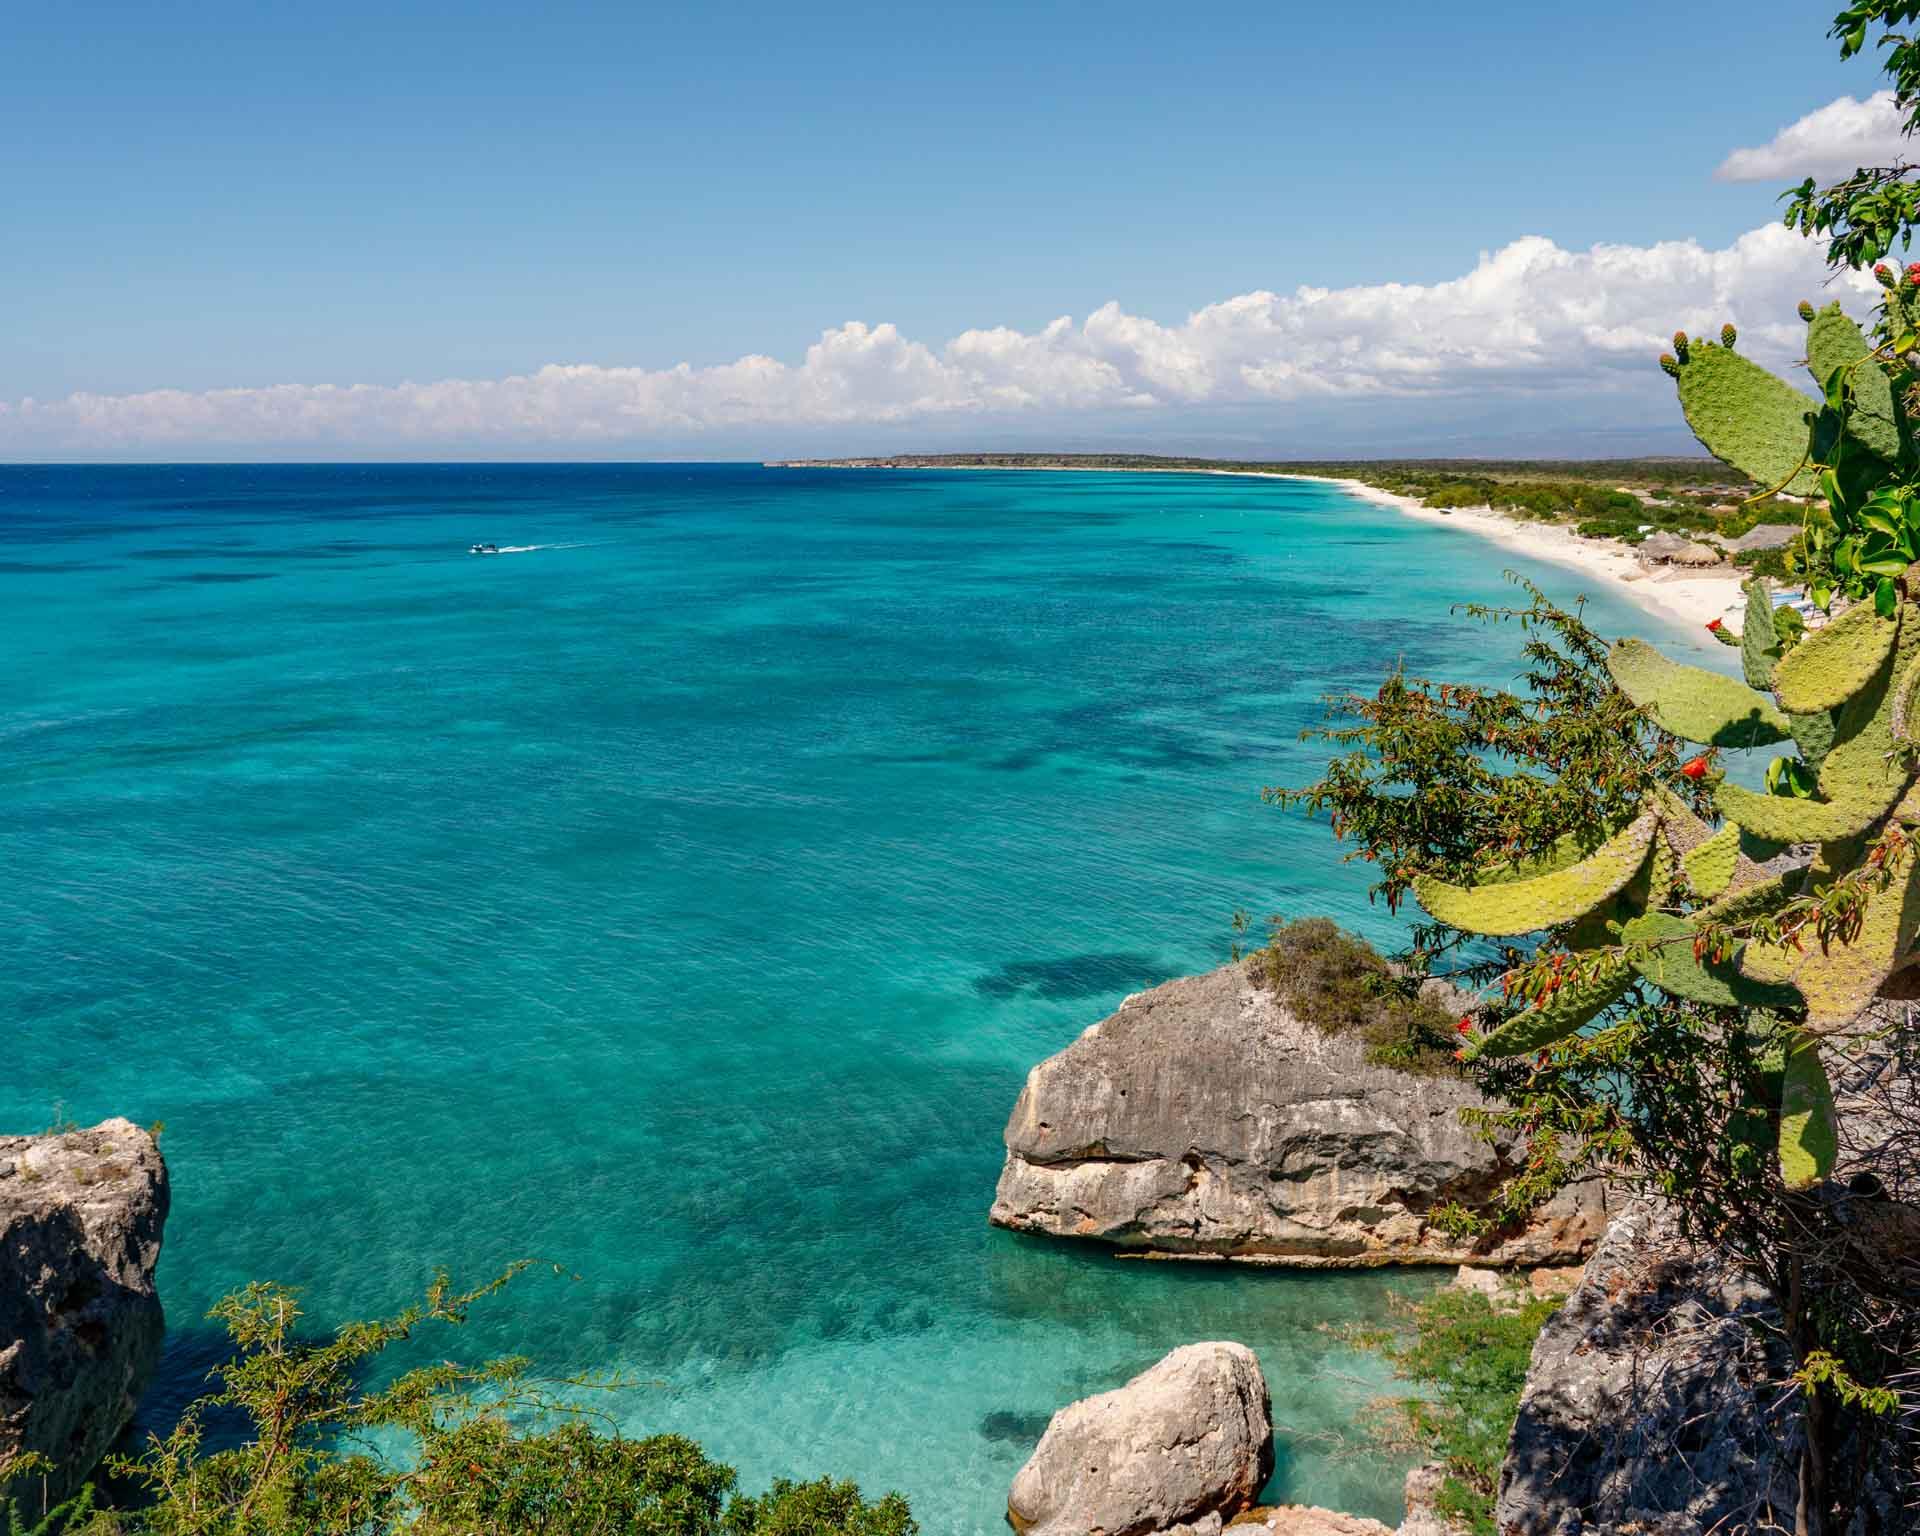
1388, 474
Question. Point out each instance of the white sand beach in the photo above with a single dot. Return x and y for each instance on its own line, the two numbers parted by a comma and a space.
1688, 596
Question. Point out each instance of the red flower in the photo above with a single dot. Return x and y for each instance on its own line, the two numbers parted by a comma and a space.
1913, 266
1879, 269
1914, 278
1465, 1026
1696, 769
1460, 1055
1716, 625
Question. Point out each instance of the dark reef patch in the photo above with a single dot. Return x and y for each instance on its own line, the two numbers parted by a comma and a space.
1071, 976
1005, 1425
222, 578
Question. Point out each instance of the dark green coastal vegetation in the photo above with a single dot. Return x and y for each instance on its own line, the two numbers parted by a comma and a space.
1470, 1356
441, 1450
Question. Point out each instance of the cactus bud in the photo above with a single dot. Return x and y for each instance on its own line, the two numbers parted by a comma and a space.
1695, 768
1716, 625
1670, 364
1806, 311
1880, 271
1727, 334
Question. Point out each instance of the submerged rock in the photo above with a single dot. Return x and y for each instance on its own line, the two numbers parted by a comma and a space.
1183, 1447
1204, 1119
81, 1214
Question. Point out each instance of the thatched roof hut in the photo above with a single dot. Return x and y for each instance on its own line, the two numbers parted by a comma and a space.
1671, 549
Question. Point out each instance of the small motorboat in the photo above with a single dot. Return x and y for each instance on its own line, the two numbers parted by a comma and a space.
484, 549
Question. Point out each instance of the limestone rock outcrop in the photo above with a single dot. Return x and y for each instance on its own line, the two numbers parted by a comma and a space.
81, 1214
1203, 1119
1182, 1448
1311, 1520
1647, 1405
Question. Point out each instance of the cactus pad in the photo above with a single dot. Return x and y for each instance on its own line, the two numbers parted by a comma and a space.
1863, 767
1568, 849
1743, 414
1710, 865
1670, 965
1513, 907
1809, 1134
1693, 703
1834, 341
1831, 665
1743, 902
1813, 735
1562, 1014
1838, 982
1759, 644
1782, 819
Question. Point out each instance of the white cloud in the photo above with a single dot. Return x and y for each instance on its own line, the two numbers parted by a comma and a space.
1839, 138
1530, 320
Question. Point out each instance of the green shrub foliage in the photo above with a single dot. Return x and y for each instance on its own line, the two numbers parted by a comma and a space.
488, 1449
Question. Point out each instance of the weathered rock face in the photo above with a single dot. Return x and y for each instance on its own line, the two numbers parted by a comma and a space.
1203, 1119
1183, 1447
80, 1324
1646, 1405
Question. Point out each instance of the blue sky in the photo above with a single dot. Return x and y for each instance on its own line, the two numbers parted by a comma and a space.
217, 195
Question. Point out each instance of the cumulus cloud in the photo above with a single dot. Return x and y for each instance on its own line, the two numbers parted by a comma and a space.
1530, 319
1837, 139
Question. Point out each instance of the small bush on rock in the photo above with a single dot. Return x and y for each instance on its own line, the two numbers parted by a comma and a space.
1340, 984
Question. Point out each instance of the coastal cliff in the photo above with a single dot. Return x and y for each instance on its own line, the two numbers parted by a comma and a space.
81, 1215
1203, 1119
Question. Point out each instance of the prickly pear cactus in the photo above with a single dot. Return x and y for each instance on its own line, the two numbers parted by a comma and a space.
1623, 905
1876, 421
1696, 705
1564, 1013
1758, 423
1759, 641
1505, 909
1809, 1132
1831, 665
1709, 867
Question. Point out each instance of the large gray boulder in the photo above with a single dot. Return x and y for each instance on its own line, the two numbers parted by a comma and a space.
1183, 1447
1204, 1119
80, 1323
1652, 1401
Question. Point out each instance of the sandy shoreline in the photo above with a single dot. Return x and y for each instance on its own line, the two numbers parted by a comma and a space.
1678, 595
1684, 596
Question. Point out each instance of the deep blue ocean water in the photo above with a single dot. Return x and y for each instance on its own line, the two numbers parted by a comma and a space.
681, 898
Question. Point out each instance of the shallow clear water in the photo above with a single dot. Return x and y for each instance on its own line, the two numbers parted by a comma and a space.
682, 899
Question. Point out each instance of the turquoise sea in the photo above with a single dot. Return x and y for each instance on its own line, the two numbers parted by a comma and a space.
681, 897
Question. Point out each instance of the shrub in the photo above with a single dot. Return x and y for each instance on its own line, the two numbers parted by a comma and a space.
1473, 1357
1339, 984
493, 1450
